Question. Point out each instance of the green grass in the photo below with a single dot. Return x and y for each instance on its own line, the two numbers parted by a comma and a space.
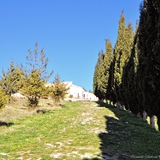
70, 132
78, 130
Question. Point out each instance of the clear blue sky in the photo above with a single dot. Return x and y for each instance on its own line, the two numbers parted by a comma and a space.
72, 32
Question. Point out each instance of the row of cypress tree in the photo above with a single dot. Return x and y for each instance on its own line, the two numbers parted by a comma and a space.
129, 73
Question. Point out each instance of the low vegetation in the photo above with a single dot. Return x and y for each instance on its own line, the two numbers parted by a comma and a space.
3, 99
74, 130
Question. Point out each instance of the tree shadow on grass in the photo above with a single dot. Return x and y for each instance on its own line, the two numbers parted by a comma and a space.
128, 137
7, 124
91, 159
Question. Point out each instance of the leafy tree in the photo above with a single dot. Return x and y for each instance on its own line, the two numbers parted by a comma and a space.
11, 80
38, 62
36, 76
58, 90
3, 99
33, 88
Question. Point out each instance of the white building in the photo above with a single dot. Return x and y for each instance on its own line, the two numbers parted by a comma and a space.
76, 92
90, 96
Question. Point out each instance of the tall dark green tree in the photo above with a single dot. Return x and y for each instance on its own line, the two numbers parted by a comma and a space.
149, 57
142, 36
97, 77
111, 87
119, 52
126, 54
106, 70
129, 79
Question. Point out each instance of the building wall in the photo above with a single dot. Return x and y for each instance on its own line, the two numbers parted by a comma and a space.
77, 92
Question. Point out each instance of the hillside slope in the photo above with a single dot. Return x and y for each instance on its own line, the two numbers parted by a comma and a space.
78, 130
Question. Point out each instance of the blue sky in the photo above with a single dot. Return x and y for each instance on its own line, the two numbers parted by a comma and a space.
72, 32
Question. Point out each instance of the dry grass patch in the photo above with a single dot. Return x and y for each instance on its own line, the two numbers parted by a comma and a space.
18, 109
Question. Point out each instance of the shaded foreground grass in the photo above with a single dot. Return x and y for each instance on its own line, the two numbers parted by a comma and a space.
80, 130
128, 137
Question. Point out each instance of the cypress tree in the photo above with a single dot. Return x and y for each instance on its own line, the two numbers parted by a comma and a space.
125, 57
155, 57
142, 36
119, 52
149, 61
111, 88
106, 69
130, 79
97, 77
101, 80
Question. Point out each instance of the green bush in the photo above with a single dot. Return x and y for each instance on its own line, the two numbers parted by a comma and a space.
3, 99
32, 102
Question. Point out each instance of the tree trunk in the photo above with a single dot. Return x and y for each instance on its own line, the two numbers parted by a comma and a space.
144, 115
101, 100
122, 107
152, 121
158, 122
118, 105
129, 111
138, 115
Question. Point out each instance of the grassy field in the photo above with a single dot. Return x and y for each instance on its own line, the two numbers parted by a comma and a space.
74, 131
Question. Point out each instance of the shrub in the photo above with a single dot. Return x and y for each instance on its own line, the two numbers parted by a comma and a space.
59, 90
3, 99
